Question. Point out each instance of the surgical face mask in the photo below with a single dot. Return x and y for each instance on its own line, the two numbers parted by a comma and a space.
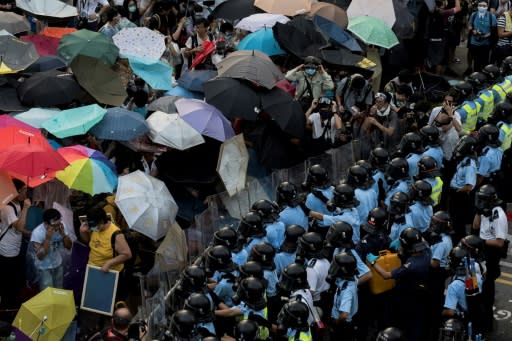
310, 71
94, 228
482, 9
132, 9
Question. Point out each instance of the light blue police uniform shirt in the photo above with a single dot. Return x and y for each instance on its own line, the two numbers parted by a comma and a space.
239, 258
441, 250
362, 268
245, 310
435, 152
379, 175
455, 294
271, 277
208, 326
399, 186
367, 201
345, 301
282, 260
465, 174
412, 159
224, 290
396, 229
421, 215
294, 216
317, 205
348, 215
490, 161
254, 241
275, 234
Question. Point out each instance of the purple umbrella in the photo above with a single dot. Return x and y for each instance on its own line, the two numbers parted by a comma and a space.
205, 118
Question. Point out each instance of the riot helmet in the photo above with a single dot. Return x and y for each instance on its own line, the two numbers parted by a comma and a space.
428, 168
492, 72
506, 66
183, 325
466, 146
251, 291
410, 143
399, 204
200, 305
377, 221
218, 258
317, 177
439, 223
251, 269
488, 135
477, 79
343, 266
263, 253
379, 158
311, 245
194, 278
226, 236
344, 197
246, 330
340, 235
359, 177
286, 194
412, 241
397, 169
452, 330
293, 277
268, 210
474, 245
421, 191
502, 112
486, 199
391, 334
291, 238
464, 89
294, 315
251, 225
429, 135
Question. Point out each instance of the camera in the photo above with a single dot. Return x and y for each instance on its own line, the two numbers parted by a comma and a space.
135, 329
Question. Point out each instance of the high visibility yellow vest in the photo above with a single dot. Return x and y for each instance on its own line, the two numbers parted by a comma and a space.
469, 124
487, 98
303, 336
507, 132
263, 332
437, 189
507, 84
499, 93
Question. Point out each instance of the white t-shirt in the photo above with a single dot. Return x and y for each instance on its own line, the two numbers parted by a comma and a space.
307, 298
317, 271
188, 43
437, 110
11, 241
316, 123
495, 226
88, 7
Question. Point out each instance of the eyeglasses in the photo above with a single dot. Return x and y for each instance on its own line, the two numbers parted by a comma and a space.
324, 100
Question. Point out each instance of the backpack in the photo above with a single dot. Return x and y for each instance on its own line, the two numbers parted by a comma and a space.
133, 244
493, 39
346, 87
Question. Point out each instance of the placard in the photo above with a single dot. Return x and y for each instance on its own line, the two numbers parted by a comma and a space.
99, 292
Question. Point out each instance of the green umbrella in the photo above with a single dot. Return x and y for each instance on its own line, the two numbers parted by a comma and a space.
76, 121
373, 31
87, 43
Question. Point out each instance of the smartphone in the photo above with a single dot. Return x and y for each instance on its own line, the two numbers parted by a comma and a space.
83, 219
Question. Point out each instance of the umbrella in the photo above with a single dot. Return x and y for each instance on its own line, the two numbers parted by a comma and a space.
140, 42
262, 40
182, 92
157, 74
232, 164
233, 97
330, 12
373, 31
146, 204
45, 63
99, 79
404, 24
165, 104
286, 7
283, 109
253, 66
260, 21
9, 100
48, 88
44, 45
120, 125
12, 135
300, 37
15, 54
172, 253
193, 80
205, 118
46, 316
36, 116
144, 144
8, 121
47, 8
382, 9
7, 189
57, 32
337, 34
89, 170
76, 121
235, 9
171, 130
340, 57
13, 23
87, 43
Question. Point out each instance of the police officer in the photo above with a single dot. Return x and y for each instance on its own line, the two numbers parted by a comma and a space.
485, 97
220, 264
319, 190
379, 159
397, 177
374, 233
229, 237
288, 251
183, 326
289, 202
491, 224
250, 269
452, 330
200, 306
429, 172
467, 113
400, 217
252, 230
193, 279
489, 161
269, 213
246, 330
263, 253
411, 148
292, 322
430, 136
503, 112
293, 284
421, 210
360, 179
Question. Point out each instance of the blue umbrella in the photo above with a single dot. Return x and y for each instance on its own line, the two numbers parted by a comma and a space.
76, 121
337, 33
262, 40
182, 92
193, 80
156, 73
120, 124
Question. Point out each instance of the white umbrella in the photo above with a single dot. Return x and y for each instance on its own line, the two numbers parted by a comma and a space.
260, 21
140, 42
146, 204
47, 8
382, 9
232, 164
171, 130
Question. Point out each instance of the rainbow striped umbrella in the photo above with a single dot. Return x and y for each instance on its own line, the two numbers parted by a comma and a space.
89, 170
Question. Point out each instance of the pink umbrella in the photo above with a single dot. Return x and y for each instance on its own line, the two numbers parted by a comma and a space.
9, 121
45, 45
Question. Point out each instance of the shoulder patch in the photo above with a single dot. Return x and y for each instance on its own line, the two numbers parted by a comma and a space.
495, 214
312, 263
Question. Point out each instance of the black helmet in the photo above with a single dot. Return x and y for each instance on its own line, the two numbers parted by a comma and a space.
226, 236
421, 191
343, 266
194, 278
399, 204
246, 330
410, 143
492, 72
465, 147
359, 177
183, 325
397, 169
294, 314
456, 260
293, 277
312, 60
200, 305
251, 291
474, 244
502, 112
377, 220
266, 209
411, 240
263, 253
486, 199
465, 89
340, 235
428, 168
317, 177
251, 269
488, 135
391, 334
218, 258
365, 164
430, 135
311, 245
441, 222
379, 158
506, 66
286, 194
251, 225
453, 330
344, 196
477, 80
291, 238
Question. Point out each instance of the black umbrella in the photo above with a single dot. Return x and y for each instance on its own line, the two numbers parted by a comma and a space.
340, 57
9, 101
233, 98
46, 63
283, 109
300, 37
235, 9
49, 88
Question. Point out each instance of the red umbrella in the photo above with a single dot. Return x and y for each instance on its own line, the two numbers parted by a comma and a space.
33, 181
45, 46
208, 48
13, 135
9, 121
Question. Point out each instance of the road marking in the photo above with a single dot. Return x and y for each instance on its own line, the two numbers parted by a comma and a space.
506, 274
504, 281
506, 264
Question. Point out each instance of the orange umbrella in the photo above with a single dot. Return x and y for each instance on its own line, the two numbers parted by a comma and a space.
330, 12
33, 181
57, 32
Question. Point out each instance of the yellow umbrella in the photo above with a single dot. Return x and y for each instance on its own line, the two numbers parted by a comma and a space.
46, 316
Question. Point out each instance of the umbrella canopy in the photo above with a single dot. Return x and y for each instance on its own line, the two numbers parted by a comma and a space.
9, 100
180, 91
157, 74
286, 7
45, 63
233, 97
76, 121
120, 124
340, 57
140, 42
146, 204
404, 24
44, 45
205, 118
89, 170
260, 21
15, 54
87, 43
9, 121
373, 31
337, 34
35, 117
52, 308
262, 40
57, 32
7, 189
165, 104
99, 79
232, 164
285, 111
144, 144
48, 88
382, 9
253, 66
193, 80
171, 130
235, 9
12, 135
47, 8
300, 37
330, 12
13, 23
